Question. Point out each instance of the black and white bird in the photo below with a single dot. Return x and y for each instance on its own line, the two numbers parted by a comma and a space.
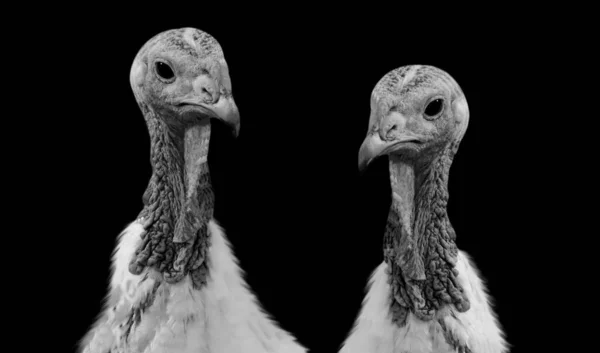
176, 286
426, 296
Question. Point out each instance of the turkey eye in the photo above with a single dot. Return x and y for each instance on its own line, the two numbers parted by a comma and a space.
164, 70
434, 107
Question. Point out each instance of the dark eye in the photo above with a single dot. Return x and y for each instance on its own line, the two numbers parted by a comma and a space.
434, 107
164, 71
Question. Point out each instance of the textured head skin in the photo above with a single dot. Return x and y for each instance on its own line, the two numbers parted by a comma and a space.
180, 80
200, 86
419, 115
398, 123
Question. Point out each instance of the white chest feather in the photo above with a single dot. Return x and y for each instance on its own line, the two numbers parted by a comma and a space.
224, 316
477, 329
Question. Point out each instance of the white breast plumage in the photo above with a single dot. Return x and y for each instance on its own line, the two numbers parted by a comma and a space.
376, 333
222, 317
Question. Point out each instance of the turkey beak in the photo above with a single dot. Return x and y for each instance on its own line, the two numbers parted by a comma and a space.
371, 147
213, 97
385, 137
226, 110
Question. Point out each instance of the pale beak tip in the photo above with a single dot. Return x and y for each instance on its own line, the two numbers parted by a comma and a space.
363, 163
362, 167
370, 149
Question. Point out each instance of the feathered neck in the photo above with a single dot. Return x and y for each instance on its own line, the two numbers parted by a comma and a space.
419, 245
179, 203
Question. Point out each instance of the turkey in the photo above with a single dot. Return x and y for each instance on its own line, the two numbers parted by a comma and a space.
175, 284
426, 296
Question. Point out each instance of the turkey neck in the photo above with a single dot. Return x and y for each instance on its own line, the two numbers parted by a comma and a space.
419, 243
198, 201
179, 203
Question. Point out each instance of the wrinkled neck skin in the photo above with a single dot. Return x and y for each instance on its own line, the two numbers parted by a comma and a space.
179, 203
419, 245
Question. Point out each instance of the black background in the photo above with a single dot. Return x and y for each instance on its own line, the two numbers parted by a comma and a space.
305, 225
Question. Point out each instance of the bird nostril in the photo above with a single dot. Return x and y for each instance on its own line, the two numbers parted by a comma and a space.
390, 130
208, 93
